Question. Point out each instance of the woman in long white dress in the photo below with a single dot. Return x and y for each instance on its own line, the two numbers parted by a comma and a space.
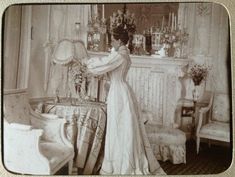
127, 149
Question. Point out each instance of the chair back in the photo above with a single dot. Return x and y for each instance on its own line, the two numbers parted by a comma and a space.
16, 106
221, 108
206, 97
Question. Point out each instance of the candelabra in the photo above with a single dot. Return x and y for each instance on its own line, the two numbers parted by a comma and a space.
96, 37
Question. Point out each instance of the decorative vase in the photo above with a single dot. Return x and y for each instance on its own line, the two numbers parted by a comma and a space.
197, 81
171, 51
196, 92
148, 43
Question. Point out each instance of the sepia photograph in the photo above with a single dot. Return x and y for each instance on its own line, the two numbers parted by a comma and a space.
129, 88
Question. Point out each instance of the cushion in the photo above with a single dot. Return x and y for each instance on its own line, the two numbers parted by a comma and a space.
55, 152
221, 108
216, 129
165, 135
16, 108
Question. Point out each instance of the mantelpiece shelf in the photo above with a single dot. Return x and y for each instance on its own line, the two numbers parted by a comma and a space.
148, 60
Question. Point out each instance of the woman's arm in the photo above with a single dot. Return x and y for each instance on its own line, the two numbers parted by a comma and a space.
103, 65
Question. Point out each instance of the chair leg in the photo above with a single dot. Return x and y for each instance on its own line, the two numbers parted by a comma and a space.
209, 143
70, 167
198, 144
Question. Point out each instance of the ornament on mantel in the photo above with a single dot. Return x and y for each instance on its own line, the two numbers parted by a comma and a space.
96, 37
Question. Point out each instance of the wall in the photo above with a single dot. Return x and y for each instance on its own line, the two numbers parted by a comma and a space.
12, 30
50, 24
208, 41
38, 37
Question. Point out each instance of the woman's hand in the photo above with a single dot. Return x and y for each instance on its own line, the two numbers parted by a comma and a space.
84, 60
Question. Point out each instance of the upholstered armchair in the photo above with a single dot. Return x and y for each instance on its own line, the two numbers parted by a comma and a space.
33, 143
214, 120
187, 109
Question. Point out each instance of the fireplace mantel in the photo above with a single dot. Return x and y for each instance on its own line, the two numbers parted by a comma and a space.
148, 60
156, 84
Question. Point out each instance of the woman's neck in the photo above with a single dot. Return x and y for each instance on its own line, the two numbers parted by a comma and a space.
121, 47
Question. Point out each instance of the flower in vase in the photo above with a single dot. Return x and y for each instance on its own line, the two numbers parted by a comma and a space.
126, 20
79, 75
198, 73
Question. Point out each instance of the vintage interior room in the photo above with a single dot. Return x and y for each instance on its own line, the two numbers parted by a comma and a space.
81, 99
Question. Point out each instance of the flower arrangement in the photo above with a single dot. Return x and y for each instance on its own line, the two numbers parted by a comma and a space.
125, 18
174, 41
79, 75
169, 37
198, 73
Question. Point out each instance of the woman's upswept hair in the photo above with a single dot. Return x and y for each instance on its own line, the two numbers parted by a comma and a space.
120, 33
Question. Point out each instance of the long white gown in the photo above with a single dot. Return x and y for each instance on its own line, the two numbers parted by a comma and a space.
127, 149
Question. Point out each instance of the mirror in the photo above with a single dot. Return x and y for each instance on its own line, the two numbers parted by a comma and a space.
147, 15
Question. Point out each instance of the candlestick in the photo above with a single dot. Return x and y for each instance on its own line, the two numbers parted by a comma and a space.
175, 22
172, 22
89, 13
95, 11
103, 11
169, 20
185, 17
162, 23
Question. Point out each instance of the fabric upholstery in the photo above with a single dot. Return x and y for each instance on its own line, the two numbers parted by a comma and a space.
24, 151
167, 143
164, 135
51, 129
221, 108
17, 108
216, 129
214, 120
59, 153
89, 131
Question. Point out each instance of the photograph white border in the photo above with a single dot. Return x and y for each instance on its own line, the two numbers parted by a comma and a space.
228, 4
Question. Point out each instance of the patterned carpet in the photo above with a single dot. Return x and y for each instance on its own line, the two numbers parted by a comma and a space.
213, 160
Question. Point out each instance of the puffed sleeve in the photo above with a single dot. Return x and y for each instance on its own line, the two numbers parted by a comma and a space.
103, 65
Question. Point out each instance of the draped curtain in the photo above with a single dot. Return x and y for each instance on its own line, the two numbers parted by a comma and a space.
207, 25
